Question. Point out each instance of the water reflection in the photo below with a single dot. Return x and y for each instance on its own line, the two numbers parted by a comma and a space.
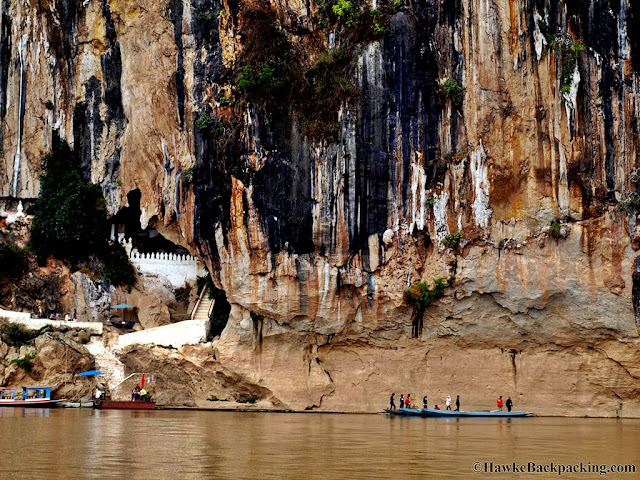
83, 443
24, 412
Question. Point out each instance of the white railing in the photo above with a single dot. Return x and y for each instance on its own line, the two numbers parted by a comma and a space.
178, 269
163, 257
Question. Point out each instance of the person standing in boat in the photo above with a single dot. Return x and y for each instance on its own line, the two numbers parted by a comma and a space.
448, 402
509, 404
457, 403
401, 400
500, 403
392, 403
424, 402
407, 401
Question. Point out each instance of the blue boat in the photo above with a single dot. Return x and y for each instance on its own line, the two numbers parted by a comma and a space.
430, 412
29, 397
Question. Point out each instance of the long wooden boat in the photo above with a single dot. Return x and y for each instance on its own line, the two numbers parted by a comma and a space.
430, 412
28, 397
125, 405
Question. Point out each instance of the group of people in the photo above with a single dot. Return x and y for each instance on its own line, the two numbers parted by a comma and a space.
508, 403
405, 402
139, 394
57, 316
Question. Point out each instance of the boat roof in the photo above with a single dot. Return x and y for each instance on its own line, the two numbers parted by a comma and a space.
25, 388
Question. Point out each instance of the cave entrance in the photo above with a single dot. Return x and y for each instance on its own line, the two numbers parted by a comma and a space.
149, 240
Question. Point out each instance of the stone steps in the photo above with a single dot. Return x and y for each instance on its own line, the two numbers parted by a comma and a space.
107, 363
204, 306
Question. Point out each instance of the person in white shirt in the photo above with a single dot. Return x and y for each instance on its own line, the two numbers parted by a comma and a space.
448, 402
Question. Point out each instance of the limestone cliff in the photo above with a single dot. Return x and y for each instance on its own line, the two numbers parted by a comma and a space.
513, 122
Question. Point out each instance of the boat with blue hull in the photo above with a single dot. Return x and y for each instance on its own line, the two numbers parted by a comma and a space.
430, 412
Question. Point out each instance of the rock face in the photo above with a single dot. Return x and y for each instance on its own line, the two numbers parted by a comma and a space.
54, 360
498, 120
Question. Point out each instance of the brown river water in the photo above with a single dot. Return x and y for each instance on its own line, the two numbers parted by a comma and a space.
83, 443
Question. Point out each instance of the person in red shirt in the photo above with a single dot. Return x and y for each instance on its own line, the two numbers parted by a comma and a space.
500, 402
436, 408
407, 401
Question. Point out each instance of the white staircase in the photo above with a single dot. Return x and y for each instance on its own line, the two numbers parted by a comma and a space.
204, 306
107, 363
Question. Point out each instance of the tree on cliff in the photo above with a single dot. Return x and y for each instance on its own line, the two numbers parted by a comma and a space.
69, 215
419, 296
70, 219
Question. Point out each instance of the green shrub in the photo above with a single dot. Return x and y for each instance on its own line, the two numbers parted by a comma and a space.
554, 229
569, 62
203, 281
116, 267
430, 202
189, 173
454, 91
261, 84
356, 20
204, 122
18, 335
325, 88
26, 362
343, 9
452, 240
225, 101
630, 204
546, 32
203, 15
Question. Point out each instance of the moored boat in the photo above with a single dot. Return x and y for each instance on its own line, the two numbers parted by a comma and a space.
28, 397
430, 412
124, 405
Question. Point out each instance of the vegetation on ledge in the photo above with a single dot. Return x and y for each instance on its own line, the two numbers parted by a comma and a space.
419, 296
632, 202
17, 335
454, 91
26, 362
452, 240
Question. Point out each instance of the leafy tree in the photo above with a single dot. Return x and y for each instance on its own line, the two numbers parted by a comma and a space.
420, 296
116, 267
69, 214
